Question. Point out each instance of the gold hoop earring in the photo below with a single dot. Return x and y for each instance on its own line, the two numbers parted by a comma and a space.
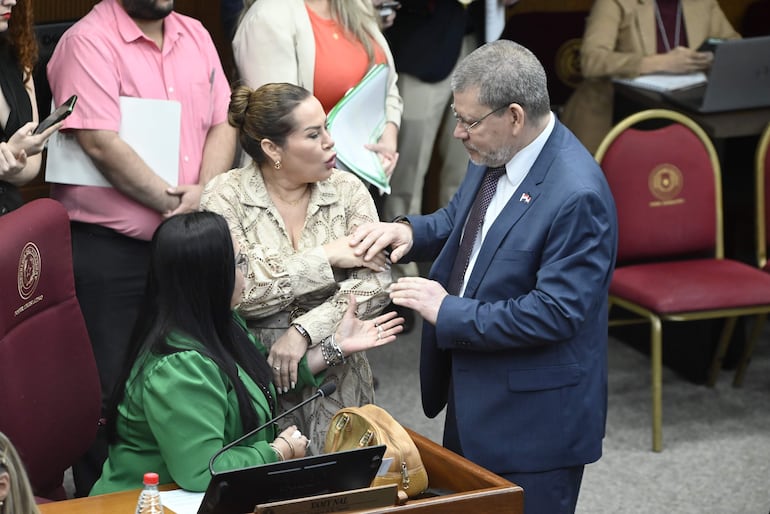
277, 165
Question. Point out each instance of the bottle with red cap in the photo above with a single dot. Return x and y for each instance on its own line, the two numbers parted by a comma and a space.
149, 500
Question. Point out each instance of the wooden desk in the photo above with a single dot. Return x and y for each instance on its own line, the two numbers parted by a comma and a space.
718, 125
475, 489
123, 502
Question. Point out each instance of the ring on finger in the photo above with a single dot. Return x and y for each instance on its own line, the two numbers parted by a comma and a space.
277, 368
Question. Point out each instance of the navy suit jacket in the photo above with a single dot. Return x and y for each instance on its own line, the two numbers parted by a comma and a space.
526, 346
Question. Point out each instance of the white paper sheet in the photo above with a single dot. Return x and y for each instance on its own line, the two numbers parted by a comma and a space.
181, 501
666, 82
151, 127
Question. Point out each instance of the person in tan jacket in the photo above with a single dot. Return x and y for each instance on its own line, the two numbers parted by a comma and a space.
628, 38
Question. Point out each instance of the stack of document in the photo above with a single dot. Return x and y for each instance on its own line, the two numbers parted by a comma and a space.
359, 119
665, 81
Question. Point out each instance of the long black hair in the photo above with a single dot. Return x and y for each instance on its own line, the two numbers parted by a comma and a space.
189, 289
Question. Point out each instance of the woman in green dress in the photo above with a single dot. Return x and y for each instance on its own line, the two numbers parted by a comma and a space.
195, 378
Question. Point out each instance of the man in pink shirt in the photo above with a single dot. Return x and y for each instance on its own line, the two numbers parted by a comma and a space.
142, 49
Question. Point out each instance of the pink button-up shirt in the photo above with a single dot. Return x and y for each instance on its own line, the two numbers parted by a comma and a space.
105, 56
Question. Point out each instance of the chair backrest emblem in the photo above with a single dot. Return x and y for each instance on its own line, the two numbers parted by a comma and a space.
665, 183
567, 62
29, 270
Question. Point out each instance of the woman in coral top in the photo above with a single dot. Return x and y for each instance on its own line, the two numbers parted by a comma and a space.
325, 46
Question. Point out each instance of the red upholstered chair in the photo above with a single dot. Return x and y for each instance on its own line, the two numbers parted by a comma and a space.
49, 385
762, 227
671, 266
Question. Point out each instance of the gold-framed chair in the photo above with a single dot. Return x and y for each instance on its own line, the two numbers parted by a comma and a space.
665, 176
761, 227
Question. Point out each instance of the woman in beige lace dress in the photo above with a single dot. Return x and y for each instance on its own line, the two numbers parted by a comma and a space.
291, 212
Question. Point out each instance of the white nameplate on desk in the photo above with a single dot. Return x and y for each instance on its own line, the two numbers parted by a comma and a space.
346, 501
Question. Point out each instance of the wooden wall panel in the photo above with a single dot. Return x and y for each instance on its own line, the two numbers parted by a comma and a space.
208, 12
47, 11
733, 9
63, 10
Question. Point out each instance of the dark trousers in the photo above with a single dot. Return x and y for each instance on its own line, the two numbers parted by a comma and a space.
110, 275
547, 492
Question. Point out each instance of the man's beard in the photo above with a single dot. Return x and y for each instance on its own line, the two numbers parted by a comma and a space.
146, 9
491, 159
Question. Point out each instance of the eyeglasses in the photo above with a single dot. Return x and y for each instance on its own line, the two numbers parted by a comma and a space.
468, 126
242, 263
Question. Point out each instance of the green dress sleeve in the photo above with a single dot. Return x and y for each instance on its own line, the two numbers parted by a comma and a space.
192, 411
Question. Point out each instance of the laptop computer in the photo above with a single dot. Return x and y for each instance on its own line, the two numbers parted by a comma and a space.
240, 490
739, 78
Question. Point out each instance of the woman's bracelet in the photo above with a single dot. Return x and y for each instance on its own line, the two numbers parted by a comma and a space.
331, 352
291, 446
304, 333
278, 452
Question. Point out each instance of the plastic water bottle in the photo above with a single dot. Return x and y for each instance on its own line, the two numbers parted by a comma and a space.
149, 500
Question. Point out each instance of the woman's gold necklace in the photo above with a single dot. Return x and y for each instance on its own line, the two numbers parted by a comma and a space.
292, 203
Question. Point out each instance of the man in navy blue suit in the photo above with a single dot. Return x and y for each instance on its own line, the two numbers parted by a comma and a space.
514, 339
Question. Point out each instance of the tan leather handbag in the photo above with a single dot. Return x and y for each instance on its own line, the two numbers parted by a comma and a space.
370, 425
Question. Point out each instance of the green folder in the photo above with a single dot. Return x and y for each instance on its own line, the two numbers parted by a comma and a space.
358, 119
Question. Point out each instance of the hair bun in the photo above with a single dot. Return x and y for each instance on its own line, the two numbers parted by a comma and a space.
239, 103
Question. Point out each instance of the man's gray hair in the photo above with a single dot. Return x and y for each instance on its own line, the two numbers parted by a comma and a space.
505, 72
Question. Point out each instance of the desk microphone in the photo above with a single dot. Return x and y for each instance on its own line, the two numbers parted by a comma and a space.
325, 390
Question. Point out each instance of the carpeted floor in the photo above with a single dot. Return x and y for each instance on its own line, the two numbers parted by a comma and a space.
716, 456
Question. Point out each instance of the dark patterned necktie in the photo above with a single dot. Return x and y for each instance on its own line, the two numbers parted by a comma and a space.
473, 228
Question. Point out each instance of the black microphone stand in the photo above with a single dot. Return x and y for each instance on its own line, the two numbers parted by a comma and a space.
324, 390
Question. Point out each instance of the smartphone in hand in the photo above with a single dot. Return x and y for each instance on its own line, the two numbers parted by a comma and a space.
710, 44
57, 115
